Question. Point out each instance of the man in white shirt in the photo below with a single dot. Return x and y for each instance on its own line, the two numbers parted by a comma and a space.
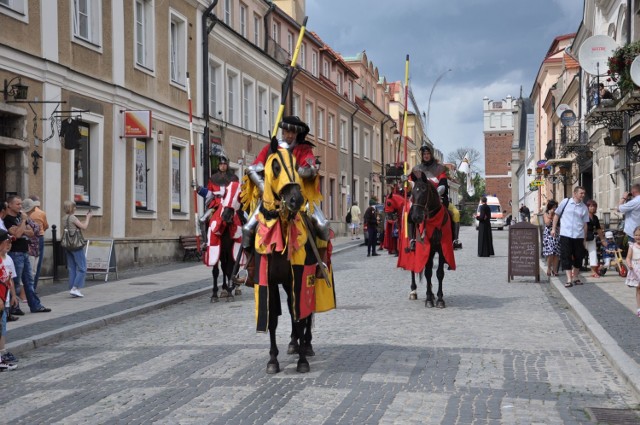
573, 216
631, 210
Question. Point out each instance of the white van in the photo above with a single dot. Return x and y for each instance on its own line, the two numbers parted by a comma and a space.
497, 216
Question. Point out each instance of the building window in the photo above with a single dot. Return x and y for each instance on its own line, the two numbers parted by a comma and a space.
215, 90
86, 20
290, 43
275, 106
256, 30
331, 122
343, 134
87, 164
144, 175
356, 140
275, 32
178, 49
233, 92
144, 33
302, 60
325, 69
320, 123
262, 111
314, 63
228, 12
81, 167
332, 193
243, 20
339, 84
367, 145
179, 177
248, 105
308, 111
350, 92
17, 6
296, 105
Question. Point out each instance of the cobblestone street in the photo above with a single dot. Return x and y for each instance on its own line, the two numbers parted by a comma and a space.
499, 353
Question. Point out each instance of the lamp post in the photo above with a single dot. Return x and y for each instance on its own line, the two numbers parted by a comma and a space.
430, 94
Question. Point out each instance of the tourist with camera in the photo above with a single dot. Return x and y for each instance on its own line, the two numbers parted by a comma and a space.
630, 207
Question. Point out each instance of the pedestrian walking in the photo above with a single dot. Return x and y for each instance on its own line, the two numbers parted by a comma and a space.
550, 244
371, 218
485, 238
594, 232
355, 220
572, 215
633, 265
76, 259
40, 218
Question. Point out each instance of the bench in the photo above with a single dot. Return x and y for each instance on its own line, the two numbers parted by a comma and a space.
190, 246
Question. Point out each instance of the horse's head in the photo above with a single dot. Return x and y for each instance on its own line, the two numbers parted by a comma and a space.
393, 203
282, 183
231, 201
425, 200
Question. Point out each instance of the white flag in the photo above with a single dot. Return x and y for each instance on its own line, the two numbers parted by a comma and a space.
464, 165
470, 189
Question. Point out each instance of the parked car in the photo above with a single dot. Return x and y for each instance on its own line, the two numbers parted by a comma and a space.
381, 216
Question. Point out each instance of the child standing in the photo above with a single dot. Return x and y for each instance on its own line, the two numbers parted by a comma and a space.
633, 263
7, 297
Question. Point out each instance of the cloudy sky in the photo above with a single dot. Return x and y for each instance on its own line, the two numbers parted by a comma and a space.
493, 47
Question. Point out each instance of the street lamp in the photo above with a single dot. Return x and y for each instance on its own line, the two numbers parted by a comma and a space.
18, 90
430, 94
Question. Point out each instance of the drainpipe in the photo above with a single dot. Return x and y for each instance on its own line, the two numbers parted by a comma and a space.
266, 26
206, 30
353, 143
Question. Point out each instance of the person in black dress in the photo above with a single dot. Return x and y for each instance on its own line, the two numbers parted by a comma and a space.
485, 239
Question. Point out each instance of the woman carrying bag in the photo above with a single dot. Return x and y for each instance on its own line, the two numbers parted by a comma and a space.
73, 242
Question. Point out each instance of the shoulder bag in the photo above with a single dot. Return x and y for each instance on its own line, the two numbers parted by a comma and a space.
72, 240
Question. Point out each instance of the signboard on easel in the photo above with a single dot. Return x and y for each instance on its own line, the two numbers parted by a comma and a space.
101, 257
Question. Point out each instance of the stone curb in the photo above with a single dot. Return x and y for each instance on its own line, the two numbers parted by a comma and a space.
621, 361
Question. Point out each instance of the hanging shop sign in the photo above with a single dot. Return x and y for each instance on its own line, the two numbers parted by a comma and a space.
137, 124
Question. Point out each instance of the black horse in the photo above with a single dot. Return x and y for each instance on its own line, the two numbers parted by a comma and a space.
430, 232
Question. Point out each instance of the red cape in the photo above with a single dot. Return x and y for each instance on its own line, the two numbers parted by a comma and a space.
416, 261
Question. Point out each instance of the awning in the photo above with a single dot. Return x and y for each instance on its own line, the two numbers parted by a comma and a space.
559, 161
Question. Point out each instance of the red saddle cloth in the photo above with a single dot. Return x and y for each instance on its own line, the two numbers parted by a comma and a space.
416, 261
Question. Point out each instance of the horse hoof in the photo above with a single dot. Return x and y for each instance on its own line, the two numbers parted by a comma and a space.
308, 351
293, 348
223, 294
303, 366
214, 299
428, 304
413, 297
440, 304
273, 368
238, 291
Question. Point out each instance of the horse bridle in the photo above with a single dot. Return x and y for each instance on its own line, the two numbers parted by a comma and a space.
275, 213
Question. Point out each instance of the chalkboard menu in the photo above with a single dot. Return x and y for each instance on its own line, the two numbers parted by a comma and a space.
524, 249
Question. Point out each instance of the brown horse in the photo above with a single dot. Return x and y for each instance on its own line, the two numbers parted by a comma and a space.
428, 233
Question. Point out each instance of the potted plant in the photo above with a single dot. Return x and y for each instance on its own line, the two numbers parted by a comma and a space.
620, 65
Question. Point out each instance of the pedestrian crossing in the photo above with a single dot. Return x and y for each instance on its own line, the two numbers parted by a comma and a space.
170, 385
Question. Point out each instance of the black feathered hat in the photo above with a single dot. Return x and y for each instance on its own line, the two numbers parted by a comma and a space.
294, 123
